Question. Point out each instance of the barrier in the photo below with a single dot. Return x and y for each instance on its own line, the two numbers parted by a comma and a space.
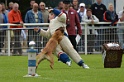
83, 44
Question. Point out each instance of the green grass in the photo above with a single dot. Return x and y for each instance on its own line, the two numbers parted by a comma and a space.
13, 68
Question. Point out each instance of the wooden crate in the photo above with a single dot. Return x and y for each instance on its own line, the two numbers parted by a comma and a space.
112, 55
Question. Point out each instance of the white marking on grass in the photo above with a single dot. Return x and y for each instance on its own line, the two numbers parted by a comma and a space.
54, 79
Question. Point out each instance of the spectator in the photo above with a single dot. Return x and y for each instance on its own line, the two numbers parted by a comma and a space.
34, 16
120, 13
44, 12
120, 31
98, 7
91, 20
14, 17
75, 4
29, 8
10, 6
31, 4
82, 11
72, 20
2, 32
111, 16
60, 5
98, 10
45, 15
5, 15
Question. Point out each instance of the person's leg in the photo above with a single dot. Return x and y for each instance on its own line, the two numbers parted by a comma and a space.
68, 48
62, 56
120, 37
90, 44
73, 41
17, 45
6, 41
99, 39
1, 40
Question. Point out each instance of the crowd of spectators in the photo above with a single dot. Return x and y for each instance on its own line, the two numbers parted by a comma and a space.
75, 12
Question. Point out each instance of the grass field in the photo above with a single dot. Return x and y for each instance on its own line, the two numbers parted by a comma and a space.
13, 68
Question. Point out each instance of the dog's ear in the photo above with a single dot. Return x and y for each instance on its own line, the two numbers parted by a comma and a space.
61, 29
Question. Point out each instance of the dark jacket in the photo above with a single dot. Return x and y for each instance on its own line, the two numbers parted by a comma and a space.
98, 10
111, 17
72, 21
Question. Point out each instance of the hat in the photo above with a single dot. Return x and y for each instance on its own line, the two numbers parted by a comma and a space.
82, 4
66, 1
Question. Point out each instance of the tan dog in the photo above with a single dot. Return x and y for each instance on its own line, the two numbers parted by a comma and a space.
51, 45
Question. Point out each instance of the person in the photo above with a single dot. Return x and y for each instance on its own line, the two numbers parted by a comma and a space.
58, 19
81, 11
60, 5
111, 16
120, 31
72, 20
90, 20
120, 14
75, 4
14, 17
5, 15
44, 12
34, 16
2, 32
10, 6
98, 9
29, 8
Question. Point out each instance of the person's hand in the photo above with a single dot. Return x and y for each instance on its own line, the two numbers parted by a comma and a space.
36, 29
92, 22
21, 22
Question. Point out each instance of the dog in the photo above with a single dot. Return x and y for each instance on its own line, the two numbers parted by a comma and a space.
51, 45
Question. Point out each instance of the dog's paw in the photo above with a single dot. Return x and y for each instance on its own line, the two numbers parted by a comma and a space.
51, 66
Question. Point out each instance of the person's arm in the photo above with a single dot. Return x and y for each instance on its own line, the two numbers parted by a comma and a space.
26, 18
106, 17
43, 32
86, 20
78, 24
95, 19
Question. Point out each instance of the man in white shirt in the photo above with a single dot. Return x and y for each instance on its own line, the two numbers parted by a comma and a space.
90, 20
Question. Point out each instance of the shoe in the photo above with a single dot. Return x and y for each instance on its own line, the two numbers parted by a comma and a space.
59, 60
68, 63
85, 66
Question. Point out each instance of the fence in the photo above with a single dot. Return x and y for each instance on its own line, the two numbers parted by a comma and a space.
91, 40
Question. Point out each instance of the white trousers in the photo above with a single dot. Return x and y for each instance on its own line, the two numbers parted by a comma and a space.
66, 46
